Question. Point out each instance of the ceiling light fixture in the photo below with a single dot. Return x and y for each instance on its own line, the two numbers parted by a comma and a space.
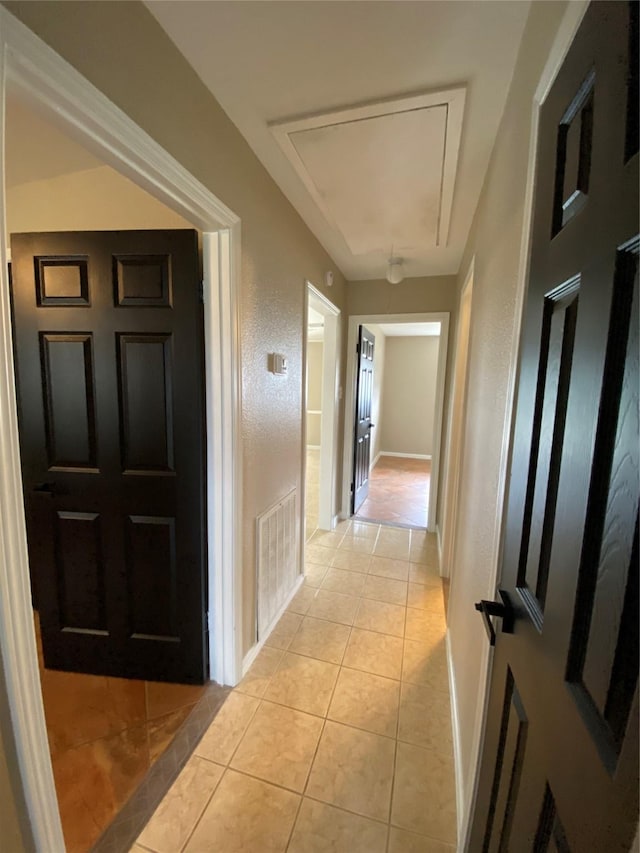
395, 273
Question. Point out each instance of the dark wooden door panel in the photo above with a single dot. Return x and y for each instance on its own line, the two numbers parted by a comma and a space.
363, 425
109, 357
560, 761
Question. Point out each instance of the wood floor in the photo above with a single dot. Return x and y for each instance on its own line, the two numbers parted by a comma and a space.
104, 734
398, 492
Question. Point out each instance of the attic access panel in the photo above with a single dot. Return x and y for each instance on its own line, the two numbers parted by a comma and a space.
382, 173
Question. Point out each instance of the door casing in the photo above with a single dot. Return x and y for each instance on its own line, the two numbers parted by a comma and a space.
350, 401
33, 71
329, 427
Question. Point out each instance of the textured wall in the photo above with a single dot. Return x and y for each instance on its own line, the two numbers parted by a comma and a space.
410, 371
123, 51
411, 296
94, 199
495, 242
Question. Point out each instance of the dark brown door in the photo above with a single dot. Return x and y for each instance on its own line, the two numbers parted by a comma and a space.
559, 770
363, 425
109, 356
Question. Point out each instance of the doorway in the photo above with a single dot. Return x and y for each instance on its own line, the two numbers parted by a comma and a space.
34, 72
108, 717
320, 412
406, 418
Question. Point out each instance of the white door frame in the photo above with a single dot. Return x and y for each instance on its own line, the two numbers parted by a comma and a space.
455, 428
564, 37
441, 317
330, 390
40, 76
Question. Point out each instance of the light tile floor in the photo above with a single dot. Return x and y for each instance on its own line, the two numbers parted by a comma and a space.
339, 736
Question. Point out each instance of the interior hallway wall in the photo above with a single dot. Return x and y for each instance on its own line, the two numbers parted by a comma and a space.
410, 373
495, 242
123, 51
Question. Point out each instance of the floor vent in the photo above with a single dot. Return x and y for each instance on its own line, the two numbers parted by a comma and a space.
277, 561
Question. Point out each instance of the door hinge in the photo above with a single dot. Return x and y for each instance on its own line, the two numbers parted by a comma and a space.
202, 292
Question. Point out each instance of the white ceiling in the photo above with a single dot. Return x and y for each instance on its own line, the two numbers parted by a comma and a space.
366, 189
409, 330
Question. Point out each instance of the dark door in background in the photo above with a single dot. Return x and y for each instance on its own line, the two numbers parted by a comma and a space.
363, 425
559, 769
109, 362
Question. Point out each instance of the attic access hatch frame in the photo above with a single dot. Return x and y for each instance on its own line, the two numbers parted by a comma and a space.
61, 94
452, 99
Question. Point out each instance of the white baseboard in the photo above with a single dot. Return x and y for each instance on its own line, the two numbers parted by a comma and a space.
403, 455
457, 753
375, 461
335, 521
253, 652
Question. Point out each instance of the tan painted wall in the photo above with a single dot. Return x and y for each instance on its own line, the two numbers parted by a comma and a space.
315, 352
410, 369
94, 199
378, 384
413, 295
495, 242
123, 51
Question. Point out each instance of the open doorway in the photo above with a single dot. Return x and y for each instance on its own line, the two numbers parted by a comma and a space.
108, 717
60, 95
321, 342
405, 419
456, 426
405, 374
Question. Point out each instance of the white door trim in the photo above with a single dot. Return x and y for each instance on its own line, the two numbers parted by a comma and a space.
564, 37
455, 431
37, 74
329, 423
441, 317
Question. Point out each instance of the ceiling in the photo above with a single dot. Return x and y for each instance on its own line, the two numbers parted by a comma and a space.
376, 119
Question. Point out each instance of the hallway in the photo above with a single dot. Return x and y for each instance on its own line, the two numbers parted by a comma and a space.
339, 736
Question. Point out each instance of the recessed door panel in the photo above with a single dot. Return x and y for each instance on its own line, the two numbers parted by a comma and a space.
68, 392
152, 573
80, 572
146, 429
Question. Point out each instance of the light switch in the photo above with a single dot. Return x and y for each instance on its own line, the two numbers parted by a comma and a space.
278, 364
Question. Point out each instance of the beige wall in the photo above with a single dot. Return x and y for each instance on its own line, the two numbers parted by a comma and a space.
93, 199
378, 384
410, 371
495, 242
411, 296
123, 51
315, 353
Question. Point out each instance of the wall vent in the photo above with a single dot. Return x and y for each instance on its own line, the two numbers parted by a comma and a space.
277, 562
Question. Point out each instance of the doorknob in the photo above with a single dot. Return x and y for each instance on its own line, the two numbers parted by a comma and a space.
503, 610
371, 426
